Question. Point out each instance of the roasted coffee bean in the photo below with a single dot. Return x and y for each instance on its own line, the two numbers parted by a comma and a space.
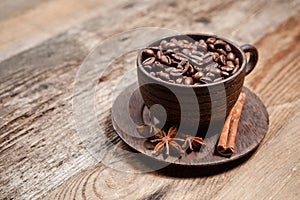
223, 73
191, 69
210, 75
203, 44
205, 80
216, 56
169, 45
197, 57
158, 65
164, 59
186, 52
237, 61
149, 61
169, 69
198, 75
211, 47
215, 71
180, 43
230, 64
174, 40
148, 52
163, 75
148, 67
222, 59
218, 79
235, 70
159, 55
219, 43
227, 69
152, 73
197, 52
211, 40
230, 56
199, 62
163, 43
179, 80
188, 81
228, 48
221, 51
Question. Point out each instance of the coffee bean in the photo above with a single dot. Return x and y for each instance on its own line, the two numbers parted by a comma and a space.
148, 52
174, 40
230, 64
163, 42
148, 67
222, 59
186, 51
152, 73
223, 73
158, 65
237, 61
197, 58
215, 71
221, 51
191, 69
169, 69
218, 79
228, 48
199, 62
235, 70
203, 44
179, 80
163, 75
211, 40
159, 55
230, 56
169, 45
211, 47
205, 80
216, 56
198, 52
188, 81
176, 72
198, 75
219, 43
164, 59
149, 61
227, 69
210, 75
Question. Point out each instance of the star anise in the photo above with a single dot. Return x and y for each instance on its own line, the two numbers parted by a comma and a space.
164, 139
147, 130
193, 142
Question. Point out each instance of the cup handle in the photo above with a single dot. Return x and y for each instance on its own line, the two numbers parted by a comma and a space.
253, 57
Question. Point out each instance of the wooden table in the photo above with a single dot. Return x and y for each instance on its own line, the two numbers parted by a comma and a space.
43, 43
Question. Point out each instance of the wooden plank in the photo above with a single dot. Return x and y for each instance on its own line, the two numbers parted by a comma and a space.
39, 146
24, 24
262, 172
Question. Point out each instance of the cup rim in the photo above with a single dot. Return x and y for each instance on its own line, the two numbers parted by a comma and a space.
140, 66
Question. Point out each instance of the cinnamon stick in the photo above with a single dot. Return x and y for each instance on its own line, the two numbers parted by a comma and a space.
226, 144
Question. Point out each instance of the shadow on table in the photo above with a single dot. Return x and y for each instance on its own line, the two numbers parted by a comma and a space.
192, 171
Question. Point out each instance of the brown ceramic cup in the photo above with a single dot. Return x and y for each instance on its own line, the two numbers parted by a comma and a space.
195, 105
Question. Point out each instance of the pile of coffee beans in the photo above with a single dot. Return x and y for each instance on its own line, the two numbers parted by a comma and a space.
191, 62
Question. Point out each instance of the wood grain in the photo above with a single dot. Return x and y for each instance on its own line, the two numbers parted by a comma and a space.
40, 149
